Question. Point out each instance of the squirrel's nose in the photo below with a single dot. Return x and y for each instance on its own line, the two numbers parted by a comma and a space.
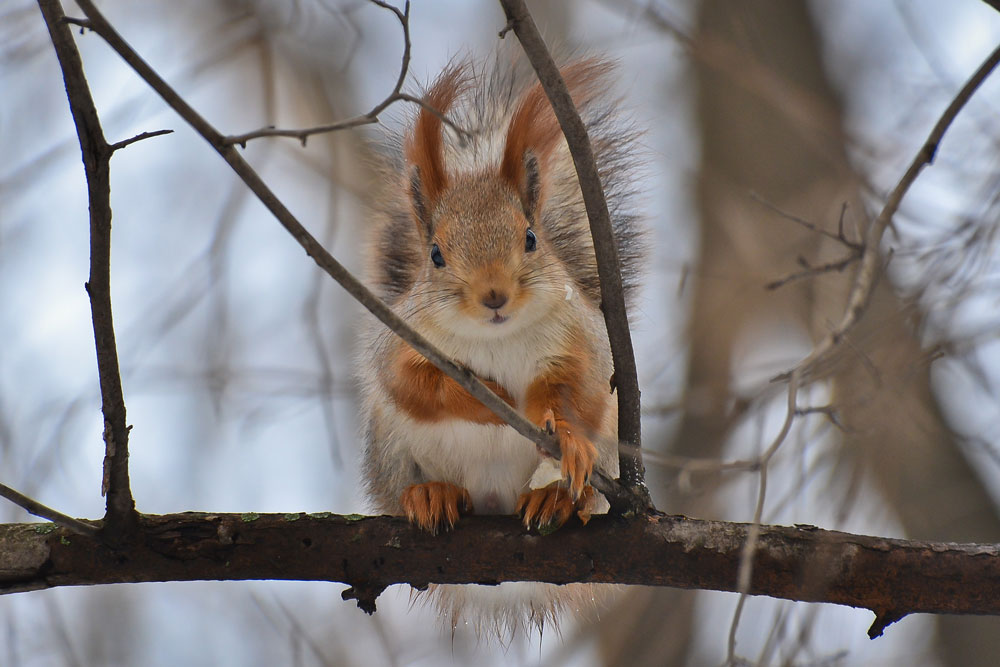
494, 300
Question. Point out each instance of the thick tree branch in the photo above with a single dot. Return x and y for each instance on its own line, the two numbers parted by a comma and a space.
120, 514
891, 577
608, 267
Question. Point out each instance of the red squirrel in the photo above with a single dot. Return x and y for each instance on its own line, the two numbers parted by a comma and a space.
481, 241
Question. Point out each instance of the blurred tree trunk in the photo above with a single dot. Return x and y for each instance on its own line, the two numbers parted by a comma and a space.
770, 124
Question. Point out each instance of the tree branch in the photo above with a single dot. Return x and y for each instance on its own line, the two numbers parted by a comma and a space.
118, 145
608, 267
871, 257
34, 507
120, 513
891, 577
364, 119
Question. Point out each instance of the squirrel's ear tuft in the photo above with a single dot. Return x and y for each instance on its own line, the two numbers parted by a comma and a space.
419, 205
531, 188
424, 144
534, 132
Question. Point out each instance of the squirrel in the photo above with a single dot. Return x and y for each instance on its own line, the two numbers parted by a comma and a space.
480, 240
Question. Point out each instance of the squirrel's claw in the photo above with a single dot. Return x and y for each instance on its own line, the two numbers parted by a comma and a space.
578, 457
549, 422
577, 453
549, 507
435, 505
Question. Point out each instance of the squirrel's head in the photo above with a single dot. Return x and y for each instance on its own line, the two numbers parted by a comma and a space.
484, 254
485, 262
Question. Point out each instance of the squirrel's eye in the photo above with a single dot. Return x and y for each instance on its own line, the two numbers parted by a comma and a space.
436, 256
530, 241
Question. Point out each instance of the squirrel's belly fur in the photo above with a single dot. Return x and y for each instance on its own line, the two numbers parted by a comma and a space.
494, 463
481, 241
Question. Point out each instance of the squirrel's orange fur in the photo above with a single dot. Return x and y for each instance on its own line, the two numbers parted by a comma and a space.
534, 127
424, 146
428, 395
481, 241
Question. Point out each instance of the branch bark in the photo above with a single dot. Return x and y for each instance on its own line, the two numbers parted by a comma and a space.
519, 20
891, 577
120, 513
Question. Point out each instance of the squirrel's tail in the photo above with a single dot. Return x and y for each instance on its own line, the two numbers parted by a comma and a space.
511, 609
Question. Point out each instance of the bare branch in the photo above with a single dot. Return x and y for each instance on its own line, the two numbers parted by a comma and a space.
830, 411
839, 237
864, 282
812, 271
368, 118
139, 137
303, 134
891, 577
620, 498
749, 553
120, 514
855, 250
83, 23
608, 267
32, 506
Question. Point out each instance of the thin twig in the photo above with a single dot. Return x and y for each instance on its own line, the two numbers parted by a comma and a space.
619, 497
139, 137
839, 237
32, 506
855, 250
864, 282
364, 119
687, 464
861, 290
83, 23
608, 267
813, 271
745, 572
830, 411
120, 513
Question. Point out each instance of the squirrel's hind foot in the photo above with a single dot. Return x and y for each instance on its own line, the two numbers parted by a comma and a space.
435, 505
549, 507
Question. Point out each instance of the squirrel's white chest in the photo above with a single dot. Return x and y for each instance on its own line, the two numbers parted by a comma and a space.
513, 362
493, 462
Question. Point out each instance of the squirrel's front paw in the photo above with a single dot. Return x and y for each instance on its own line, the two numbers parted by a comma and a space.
577, 453
551, 506
432, 505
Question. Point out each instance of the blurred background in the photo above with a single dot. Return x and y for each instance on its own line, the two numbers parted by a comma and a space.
760, 116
